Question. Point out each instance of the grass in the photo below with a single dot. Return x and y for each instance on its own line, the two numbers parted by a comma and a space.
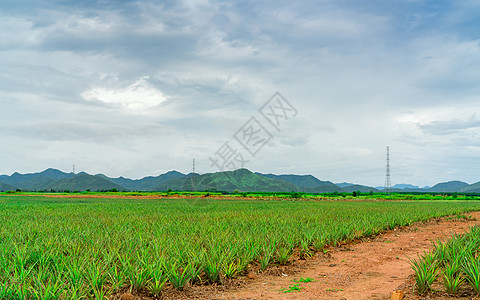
74, 248
292, 288
304, 280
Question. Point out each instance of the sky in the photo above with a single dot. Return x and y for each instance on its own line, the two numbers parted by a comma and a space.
138, 88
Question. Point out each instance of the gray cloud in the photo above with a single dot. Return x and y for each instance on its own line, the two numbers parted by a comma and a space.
161, 83
449, 127
41, 81
85, 131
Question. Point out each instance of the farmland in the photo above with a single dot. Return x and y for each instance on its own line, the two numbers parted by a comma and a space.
69, 248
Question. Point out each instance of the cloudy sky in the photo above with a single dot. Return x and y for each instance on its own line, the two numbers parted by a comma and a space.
137, 88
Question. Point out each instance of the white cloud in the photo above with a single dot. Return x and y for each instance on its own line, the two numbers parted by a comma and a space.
138, 96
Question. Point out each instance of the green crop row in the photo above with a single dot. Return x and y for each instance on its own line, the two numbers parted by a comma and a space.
79, 248
455, 262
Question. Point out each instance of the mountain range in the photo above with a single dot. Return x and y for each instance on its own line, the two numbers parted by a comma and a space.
241, 180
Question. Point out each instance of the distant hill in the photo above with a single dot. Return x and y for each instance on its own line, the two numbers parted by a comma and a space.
6, 187
361, 188
403, 186
449, 187
34, 181
56, 174
306, 183
409, 190
242, 180
149, 183
83, 182
52, 179
344, 184
473, 188
352, 187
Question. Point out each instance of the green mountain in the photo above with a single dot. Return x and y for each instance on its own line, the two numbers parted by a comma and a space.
306, 183
473, 188
358, 187
147, 183
34, 181
6, 187
242, 180
55, 174
83, 182
344, 184
403, 186
449, 187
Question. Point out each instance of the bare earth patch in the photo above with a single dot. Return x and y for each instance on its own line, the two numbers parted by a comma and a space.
370, 269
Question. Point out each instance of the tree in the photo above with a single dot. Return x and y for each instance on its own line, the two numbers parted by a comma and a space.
295, 195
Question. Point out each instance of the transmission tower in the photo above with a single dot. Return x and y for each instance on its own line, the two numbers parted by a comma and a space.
73, 169
388, 183
193, 175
